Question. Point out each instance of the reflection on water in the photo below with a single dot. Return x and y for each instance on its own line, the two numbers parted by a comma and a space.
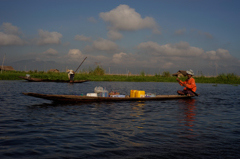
187, 117
138, 109
189, 112
138, 113
200, 127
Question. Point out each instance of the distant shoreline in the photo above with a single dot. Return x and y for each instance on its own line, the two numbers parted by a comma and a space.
221, 79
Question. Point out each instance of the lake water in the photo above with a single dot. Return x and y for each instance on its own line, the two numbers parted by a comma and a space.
207, 126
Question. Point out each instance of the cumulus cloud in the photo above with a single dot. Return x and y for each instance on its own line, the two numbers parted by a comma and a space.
50, 52
183, 56
76, 56
201, 33
180, 31
7, 39
100, 59
124, 18
73, 55
8, 28
10, 35
223, 53
217, 55
126, 59
114, 35
167, 65
102, 45
92, 20
179, 49
117, 58
48, 37
82, 38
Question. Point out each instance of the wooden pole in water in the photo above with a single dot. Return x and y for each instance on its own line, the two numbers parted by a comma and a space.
80, 64
3, 62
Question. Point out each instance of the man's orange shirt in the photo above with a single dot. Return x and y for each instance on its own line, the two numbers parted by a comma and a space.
190, 83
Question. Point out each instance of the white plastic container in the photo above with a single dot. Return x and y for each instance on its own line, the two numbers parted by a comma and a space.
101, 92
151, 95
104, 93
92, 94
98, 89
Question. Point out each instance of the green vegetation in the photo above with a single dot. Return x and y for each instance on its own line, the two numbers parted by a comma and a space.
97, 71
166, 74
142, 73
98, 74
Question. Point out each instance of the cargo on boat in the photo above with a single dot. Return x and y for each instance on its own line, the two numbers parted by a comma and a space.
83, 98
30, 79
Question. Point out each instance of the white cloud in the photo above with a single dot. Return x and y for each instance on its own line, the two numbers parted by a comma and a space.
167, 65
180, 31
48, 37
124, 18
201, 33
10, 35
183, 56
179, 49
117, 58
50, 52
211, 55
82, 38
114, 35
38, 59
217, 55
8, 39
223, 53
102, 45
124, 59
73, 55
92, 20
98, 59
8, 28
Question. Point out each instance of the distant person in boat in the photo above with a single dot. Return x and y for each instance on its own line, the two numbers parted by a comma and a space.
71, 74
189, 85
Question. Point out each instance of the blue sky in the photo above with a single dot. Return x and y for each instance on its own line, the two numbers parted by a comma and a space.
121, 36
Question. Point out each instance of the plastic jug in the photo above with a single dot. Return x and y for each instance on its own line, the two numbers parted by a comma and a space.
98, 89
132, 93
140, 94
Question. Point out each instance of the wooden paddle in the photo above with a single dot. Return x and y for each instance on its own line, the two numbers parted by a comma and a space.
80, 64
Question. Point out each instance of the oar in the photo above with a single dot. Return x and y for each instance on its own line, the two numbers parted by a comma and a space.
80, 64
190, 90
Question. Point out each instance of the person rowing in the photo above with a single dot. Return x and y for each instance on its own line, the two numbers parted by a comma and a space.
71, 74
189, 85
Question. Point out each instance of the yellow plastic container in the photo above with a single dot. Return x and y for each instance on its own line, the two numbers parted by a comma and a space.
132, 93
140, 94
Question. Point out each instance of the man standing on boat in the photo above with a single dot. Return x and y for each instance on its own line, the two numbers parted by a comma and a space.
189, 84
71, 74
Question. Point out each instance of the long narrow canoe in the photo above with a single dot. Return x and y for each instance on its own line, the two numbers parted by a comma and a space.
30, 79
78, 98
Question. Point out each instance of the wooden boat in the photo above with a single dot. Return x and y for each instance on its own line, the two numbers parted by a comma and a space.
30, 79
79, 98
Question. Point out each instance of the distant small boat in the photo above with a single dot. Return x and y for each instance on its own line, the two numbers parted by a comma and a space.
30, 79
79, 98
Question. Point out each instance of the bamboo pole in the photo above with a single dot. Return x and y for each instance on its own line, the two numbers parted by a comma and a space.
3, 63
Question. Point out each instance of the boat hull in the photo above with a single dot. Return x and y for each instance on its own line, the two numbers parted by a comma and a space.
78, 98
47, 80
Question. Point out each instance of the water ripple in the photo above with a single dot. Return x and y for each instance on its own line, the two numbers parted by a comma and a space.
203, 127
